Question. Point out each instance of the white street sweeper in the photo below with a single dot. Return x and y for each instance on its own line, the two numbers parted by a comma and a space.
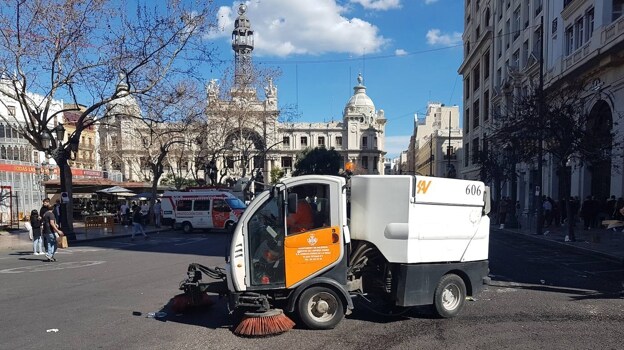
313, 244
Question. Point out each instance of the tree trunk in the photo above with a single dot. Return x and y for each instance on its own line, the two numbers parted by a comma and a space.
67, 211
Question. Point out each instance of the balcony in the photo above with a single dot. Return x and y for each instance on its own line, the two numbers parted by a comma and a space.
612, 31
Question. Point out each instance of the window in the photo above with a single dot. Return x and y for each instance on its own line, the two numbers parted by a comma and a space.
486, 105
375, 161
229, 162
467, 87
364, 142
338, 140
486, 65
286, 141
525, 53
499, 44
184, 205
321, 141
569, 40
466, 154
287, 162
553, 28
304, 141
537, 5
578, 33
589, 19
508, 32
476, 74
11, 110
618, 9
475, 150
516, 24
467, 121
259, 228
475, 112
2, 130
515, 60
201, 205
220, 206
365, 162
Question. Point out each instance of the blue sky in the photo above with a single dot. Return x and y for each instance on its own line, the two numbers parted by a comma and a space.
408, 52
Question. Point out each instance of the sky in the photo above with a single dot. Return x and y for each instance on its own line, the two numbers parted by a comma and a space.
408, 52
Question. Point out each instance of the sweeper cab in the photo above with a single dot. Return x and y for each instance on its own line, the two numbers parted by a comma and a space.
313, 244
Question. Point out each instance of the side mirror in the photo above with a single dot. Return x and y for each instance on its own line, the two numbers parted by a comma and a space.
292, 203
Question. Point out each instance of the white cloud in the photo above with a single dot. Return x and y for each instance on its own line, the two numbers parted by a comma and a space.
381, 5
429, 2
435, 37
285, 27
395, 145
400, 52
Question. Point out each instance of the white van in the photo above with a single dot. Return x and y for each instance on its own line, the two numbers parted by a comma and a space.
201, 209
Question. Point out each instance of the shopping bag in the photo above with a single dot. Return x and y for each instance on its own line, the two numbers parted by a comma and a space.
62, 242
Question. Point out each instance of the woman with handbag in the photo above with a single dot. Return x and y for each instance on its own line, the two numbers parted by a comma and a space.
50, 231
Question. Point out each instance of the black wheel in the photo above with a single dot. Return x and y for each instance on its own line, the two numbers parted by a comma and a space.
320, 308
450, 295
187, 227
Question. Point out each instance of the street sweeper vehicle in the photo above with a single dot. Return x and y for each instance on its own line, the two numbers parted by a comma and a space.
314, 246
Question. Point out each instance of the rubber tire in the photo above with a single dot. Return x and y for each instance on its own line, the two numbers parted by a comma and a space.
322, 321
453, 286
187, 227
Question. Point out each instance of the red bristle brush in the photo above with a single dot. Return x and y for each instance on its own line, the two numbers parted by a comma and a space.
182, 302
271, 322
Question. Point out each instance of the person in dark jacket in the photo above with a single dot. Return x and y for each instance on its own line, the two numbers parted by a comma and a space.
35, 223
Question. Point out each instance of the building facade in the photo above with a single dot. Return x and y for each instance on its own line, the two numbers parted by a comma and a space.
23, 170
263, 142
505, 42
436, 142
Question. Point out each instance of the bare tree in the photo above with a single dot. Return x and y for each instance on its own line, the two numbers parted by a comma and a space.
563, 125
74, 49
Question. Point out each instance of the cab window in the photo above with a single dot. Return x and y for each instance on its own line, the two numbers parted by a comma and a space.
201, 205
313, 211
219, 205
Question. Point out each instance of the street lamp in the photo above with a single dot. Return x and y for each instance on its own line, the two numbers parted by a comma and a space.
61, 155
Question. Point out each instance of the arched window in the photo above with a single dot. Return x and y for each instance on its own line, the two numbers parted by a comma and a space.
10, 152
22, 154
3, 153
1, 130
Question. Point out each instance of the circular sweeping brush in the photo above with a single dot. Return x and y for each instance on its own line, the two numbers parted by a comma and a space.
183, 302
271, 322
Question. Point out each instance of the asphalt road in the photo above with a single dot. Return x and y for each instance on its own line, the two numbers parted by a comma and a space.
99, 295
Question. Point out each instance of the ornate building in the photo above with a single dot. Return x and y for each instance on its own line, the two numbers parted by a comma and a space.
255, 139
576, 39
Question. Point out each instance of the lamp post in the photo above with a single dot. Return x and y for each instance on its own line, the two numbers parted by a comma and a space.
61, 154
509, 154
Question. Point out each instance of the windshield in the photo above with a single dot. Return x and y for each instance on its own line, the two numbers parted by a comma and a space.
236, 203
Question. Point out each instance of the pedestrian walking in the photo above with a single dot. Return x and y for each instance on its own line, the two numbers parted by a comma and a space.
503, 208
137, 225
50, 230
588, 212
157, 213
35, 224
124, 210
573, 205
547, 205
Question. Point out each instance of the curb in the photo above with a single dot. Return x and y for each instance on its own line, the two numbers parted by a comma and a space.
562, 245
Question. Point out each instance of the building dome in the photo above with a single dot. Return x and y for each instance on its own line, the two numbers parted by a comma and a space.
360, 104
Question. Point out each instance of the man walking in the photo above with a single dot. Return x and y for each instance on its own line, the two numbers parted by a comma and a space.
157, 213
49, 228
137, 225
